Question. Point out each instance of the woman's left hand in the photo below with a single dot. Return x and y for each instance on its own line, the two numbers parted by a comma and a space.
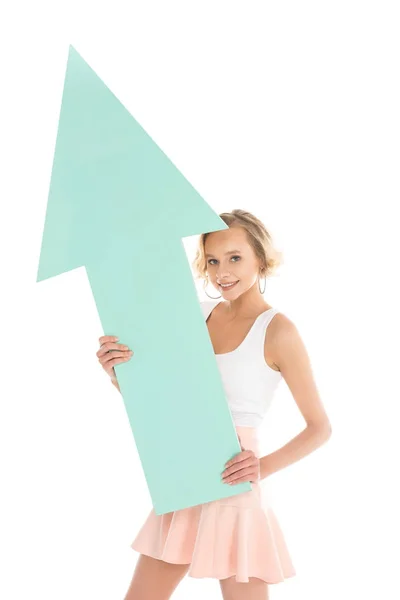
245, 466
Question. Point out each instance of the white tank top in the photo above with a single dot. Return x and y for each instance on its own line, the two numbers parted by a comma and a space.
249, 382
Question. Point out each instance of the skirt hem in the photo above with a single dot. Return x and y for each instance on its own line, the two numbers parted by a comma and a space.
208, 576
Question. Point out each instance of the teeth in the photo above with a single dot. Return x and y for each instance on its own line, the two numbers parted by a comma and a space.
226, 285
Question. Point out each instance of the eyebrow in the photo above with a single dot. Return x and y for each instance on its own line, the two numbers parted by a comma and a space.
229, 252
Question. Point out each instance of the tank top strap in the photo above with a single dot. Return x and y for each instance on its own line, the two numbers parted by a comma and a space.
259, 330
207, 306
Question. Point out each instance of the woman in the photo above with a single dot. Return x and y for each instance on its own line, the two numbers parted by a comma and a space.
236, 540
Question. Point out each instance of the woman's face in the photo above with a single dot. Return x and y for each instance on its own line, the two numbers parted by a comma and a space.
231, 259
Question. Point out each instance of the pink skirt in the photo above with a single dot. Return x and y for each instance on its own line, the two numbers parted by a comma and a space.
237, 536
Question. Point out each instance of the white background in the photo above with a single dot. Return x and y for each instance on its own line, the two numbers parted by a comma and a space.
289, 110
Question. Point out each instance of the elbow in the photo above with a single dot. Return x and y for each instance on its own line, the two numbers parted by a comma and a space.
326, 431
322, 430
329, 433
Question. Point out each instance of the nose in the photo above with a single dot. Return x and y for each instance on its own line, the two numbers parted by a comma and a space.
221, 274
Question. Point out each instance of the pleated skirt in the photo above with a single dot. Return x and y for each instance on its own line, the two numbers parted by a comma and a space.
238, 536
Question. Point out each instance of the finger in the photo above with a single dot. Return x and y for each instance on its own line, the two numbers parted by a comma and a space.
108, 338
246, 473
242, 474
110, 346
237, 466
117, 361
241, 456
247, 462
108, 358
242, 480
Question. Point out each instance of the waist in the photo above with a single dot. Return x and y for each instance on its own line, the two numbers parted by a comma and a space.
246, 419
249, 438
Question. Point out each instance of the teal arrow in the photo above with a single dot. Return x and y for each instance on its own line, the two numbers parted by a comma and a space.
118, 206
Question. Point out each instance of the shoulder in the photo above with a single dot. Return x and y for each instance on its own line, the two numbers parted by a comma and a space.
284, 340
282, 331
281, 326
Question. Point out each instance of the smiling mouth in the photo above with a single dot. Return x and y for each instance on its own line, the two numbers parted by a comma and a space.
228, 286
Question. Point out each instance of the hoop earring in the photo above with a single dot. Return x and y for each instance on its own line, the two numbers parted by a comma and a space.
265, 284
204, 286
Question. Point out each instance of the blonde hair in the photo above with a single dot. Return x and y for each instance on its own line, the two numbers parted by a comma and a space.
258, 236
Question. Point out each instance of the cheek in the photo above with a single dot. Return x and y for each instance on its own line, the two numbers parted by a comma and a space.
241, 270
246, 275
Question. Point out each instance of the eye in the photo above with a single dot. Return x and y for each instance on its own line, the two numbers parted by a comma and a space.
211, 259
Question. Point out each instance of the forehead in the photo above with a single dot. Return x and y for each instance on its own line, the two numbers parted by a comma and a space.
234, 238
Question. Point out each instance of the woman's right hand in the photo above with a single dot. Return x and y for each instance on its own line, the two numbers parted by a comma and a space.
111, 353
